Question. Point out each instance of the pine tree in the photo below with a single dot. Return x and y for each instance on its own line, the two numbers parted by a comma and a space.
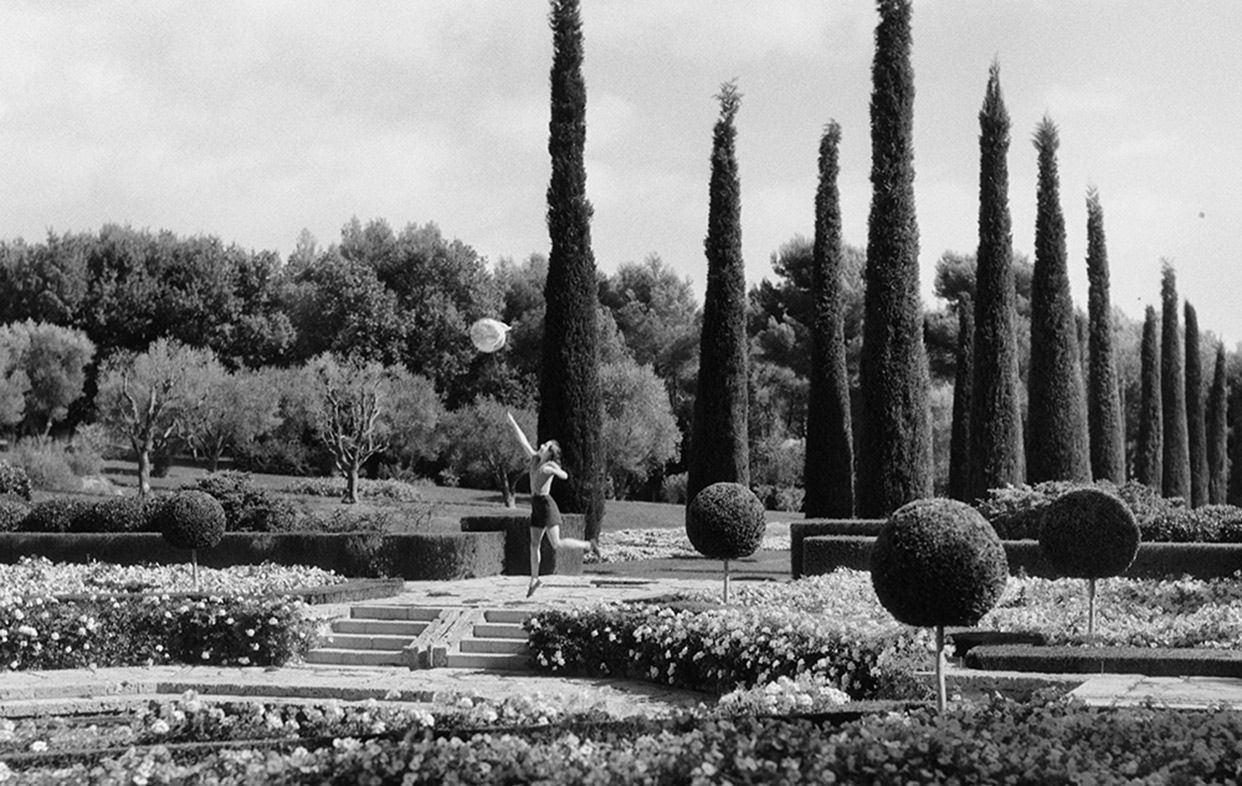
1175, 477
829, 469
1056, 436
571, 404
1148, 455
1108, 447
718, 445
1218, 432
1196, 426
894, 459
963, 384
996, 457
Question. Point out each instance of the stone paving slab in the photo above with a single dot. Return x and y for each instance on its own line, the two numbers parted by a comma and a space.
1115, 690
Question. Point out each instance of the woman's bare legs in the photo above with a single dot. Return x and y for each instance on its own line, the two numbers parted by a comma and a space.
536, 540
554, 537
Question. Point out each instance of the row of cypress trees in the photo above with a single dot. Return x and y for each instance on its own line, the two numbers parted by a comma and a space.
1075, 432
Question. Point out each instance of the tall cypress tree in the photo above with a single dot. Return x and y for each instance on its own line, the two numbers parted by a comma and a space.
1108, 447
1056, 436
894, 464
1149, 454
570, 403
996, 457
1217, 432
1175, 477
718, 447
829, 470
963, 385
1196, 427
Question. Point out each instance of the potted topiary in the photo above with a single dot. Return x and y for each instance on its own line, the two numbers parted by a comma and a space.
1089, 534
190, 520
725, 521
938, 562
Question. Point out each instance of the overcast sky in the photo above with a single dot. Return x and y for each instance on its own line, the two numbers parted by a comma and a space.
254, 120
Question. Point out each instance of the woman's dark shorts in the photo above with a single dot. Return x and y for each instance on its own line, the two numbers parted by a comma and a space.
543, 512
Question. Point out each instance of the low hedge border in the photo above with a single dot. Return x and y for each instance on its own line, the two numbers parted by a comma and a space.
800, 530
410, 556
822, 554
516, 528
1152, 662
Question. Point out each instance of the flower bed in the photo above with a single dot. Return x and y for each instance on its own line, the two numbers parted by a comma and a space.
41, 576
834, 626
60, 616
45, 633
1047, 741
625, 545
718, 650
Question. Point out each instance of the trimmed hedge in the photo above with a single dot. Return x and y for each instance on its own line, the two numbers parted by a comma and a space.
412, 556
800, 530
1150, 661
1089, 534
825, 553
516, 529
725, 521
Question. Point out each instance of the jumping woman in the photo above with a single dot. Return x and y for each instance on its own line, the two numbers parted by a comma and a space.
545, 516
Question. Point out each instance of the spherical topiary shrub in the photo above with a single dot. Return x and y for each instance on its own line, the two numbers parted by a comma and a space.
14, 480
189, 519
1089, 534
725, 521
938, 562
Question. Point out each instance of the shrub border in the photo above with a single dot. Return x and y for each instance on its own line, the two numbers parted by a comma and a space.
516, 529
819, 554
409, 556
1149, 661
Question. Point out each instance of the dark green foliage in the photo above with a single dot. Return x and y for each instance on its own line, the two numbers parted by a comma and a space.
1175, 463
115, 514
57, 514
963, 385
1056, 435
12, 512
894, 456
1149, 453
248, 507
1217, 432
1196, 423
1107, 428
570, 401
1016, 512
938, 562
1207, 524
14, 481
725, 521
718, 449
996, 454
189, 519
829, 470
1089, 534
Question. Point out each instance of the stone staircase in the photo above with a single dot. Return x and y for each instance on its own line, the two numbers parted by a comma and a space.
426, 637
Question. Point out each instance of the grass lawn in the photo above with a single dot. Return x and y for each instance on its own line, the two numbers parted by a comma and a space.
450, 503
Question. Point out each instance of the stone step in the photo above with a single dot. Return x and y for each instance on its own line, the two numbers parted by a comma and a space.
511, 616
487, 662
381, 611
363, 641
369, 627
498, 646
499, 630
332, 656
